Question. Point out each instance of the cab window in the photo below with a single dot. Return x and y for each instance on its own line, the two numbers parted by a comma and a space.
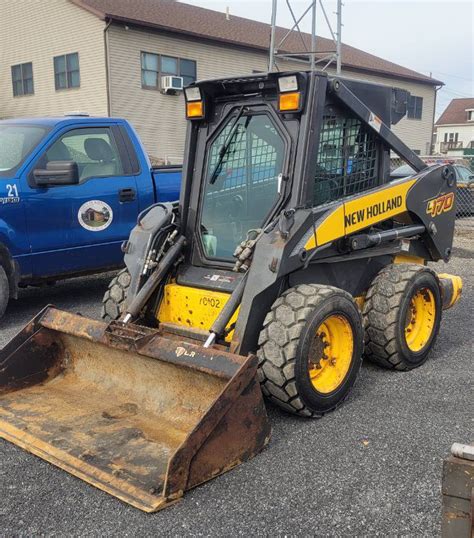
242, 182
93, 149
347, 161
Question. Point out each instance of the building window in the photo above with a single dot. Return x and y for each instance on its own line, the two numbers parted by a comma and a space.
415, 107
169, 65
154, 65
451, 137
187, 70
470, 115
179, 67
22, 79
66, 71
150, 70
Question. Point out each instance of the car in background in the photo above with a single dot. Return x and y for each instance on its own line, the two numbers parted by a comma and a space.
465, 183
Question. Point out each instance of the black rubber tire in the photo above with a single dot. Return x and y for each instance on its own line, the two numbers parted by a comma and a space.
115, 298
285, 339
385, 310
4, 291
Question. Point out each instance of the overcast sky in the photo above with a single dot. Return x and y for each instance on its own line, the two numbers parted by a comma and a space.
429, 36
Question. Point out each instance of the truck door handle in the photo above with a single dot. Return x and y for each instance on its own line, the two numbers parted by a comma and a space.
127, 195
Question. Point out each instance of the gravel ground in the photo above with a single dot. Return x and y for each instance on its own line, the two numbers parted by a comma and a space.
371, 468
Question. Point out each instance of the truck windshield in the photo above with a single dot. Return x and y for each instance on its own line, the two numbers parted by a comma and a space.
242, 182
16, 142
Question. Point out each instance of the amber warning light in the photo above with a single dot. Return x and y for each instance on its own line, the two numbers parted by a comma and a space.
194, 103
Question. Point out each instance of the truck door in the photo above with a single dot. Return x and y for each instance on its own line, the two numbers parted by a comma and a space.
79, 228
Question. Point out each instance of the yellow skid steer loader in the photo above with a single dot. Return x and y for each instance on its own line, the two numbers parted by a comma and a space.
289, 250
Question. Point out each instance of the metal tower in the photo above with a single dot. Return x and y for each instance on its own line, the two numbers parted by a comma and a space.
307, 54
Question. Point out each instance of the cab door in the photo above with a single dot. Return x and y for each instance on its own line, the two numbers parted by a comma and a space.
79, 228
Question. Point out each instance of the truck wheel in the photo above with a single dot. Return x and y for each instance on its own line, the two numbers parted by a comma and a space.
310, 349
115, 298
4, 291
402, 315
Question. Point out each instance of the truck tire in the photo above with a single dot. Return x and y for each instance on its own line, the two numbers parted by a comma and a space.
115, 298
310, 349
402, 316
4, 291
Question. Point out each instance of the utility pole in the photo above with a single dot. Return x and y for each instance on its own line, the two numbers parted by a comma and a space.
339, 37
271, 63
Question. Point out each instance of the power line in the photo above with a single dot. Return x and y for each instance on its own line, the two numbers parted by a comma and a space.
451, 75
454, 92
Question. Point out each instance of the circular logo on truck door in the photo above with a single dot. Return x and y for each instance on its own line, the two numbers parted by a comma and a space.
95, 215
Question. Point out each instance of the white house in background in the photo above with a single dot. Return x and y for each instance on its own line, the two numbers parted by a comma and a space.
455, 128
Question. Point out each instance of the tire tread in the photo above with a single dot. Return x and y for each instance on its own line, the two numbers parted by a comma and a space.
115, 298
379, 325
281, 356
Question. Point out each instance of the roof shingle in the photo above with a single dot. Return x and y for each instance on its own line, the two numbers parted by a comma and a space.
455, 113
205, 23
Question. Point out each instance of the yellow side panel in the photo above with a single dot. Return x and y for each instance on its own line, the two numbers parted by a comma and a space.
361, 213
376, 207
332, 226
407, 258
193, 307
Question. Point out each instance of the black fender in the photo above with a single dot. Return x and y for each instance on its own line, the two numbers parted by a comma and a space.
432, 199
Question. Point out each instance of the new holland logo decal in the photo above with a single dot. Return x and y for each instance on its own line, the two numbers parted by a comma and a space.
374, 210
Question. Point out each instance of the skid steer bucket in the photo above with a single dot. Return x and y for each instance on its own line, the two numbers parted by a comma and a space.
136, 414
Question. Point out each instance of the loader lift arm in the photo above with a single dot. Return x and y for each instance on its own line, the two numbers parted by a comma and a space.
351, 101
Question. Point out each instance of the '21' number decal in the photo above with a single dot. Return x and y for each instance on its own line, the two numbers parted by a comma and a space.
439, 205
12, 191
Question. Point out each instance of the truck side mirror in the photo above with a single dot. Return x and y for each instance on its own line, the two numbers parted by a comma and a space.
57, 173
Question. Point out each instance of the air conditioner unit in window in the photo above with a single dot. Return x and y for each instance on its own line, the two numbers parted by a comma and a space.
171, 84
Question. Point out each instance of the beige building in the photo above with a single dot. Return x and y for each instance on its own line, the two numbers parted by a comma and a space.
109, 57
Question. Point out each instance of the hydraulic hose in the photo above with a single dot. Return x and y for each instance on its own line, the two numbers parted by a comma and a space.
219, 325
152, 283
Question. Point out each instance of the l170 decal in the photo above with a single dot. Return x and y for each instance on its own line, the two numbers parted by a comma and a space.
439, 205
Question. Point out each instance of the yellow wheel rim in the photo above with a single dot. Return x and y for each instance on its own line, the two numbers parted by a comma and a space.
420, 319
330, 354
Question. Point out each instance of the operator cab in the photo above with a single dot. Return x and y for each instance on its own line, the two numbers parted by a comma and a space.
247, 160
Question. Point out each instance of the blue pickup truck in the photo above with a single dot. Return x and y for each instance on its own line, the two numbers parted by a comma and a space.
70, 192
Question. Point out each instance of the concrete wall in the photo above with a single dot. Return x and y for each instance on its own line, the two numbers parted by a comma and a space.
36, 31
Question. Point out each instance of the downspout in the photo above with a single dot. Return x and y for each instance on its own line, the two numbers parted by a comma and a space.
107, 65
432, 146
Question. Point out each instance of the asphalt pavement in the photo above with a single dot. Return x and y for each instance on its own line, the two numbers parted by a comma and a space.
372, 468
